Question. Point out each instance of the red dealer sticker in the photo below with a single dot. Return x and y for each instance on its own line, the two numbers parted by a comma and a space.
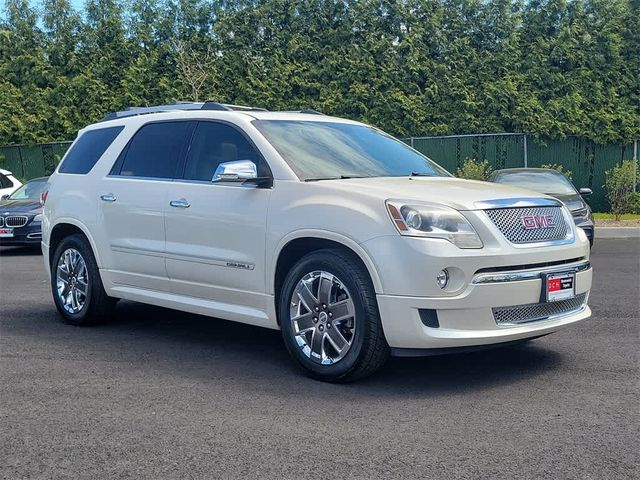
6, 232
559, 286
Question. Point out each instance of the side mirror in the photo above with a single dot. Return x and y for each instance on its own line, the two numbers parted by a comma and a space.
240, 171
585, 191
4, 197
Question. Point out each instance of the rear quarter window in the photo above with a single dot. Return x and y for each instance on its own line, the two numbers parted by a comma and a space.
5, 182
88, 149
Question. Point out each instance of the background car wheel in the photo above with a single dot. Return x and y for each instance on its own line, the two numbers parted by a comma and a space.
76, 285
329, 317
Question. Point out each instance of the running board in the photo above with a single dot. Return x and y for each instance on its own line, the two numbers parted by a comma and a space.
200, 306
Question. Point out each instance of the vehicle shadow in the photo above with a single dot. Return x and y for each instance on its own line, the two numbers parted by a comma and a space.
168, 343
213, 348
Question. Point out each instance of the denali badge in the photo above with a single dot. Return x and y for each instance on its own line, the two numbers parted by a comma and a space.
534, 222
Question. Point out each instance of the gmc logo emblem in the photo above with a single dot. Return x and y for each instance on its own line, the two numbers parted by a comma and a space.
535, 222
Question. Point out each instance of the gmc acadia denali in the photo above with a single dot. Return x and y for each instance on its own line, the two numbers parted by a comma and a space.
350, 242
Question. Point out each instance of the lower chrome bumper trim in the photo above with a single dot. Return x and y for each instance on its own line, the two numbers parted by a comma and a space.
518, 275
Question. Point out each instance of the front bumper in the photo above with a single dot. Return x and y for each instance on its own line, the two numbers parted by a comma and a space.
588, 227
468, 319
30, 234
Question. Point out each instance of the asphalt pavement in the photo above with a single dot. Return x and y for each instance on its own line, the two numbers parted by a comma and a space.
159, 394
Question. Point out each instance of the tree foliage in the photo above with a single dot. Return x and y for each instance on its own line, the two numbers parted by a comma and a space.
619, 185
473, 169
413, 67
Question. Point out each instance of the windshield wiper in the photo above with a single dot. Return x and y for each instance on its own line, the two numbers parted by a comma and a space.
341, 177
421, 174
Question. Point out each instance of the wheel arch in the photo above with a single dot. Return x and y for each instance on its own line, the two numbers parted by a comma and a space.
294, 246
69, 226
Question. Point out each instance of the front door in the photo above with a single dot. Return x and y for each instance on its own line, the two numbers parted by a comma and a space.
215, 232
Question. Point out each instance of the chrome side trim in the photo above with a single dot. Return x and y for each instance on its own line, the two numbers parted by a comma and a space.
517, 202
137, 251
135, 177
215, 184
222, 262
532, 274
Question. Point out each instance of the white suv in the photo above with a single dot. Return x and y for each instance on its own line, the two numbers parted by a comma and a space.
350, 242
8, 184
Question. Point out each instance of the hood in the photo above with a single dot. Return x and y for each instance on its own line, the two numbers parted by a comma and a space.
573, 202
454, 192
19, 206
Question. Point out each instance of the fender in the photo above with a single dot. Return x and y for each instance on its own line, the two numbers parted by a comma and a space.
326, 235
77, 223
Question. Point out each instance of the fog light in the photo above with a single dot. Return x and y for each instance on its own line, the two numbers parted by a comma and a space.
442, 278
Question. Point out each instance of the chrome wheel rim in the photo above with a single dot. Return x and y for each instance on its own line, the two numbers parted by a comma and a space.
323, 317
72, 280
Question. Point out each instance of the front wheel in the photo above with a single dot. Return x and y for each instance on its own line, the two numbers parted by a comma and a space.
329, 317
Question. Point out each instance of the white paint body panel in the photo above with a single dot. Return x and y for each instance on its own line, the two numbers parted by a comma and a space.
216, 247
218, 257
132, 228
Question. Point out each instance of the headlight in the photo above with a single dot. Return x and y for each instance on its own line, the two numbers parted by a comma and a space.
434, 222
582, 212
38, 218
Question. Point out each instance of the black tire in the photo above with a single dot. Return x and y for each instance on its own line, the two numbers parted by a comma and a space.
369, 349
98, 306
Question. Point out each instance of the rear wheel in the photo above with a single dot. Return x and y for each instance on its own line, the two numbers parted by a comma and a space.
329, 317
76, 285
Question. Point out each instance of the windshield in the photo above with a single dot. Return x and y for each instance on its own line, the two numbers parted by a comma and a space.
29, 191
550, 183
323, 150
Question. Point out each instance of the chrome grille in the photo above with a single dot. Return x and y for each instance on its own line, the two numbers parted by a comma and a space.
533, 312
16, 221
1, 221
510, 222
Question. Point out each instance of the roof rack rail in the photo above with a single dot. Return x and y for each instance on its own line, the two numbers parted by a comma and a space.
309, 111
207, 105
211, 105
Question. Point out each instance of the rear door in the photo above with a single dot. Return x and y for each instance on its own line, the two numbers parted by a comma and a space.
132, 199
216, 231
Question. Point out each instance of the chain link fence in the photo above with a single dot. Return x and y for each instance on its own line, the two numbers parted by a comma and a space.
31, 161
587, 160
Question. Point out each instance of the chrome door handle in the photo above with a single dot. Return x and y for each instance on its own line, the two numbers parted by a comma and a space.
109, 197
180, 203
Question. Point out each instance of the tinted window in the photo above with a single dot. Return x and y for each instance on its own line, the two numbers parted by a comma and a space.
30, 190
155, 150
324, 149
551, 183
5, 182
88, 149
213, 144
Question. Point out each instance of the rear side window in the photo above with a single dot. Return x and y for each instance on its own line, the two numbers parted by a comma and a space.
5, 182
155, 150
88, 149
